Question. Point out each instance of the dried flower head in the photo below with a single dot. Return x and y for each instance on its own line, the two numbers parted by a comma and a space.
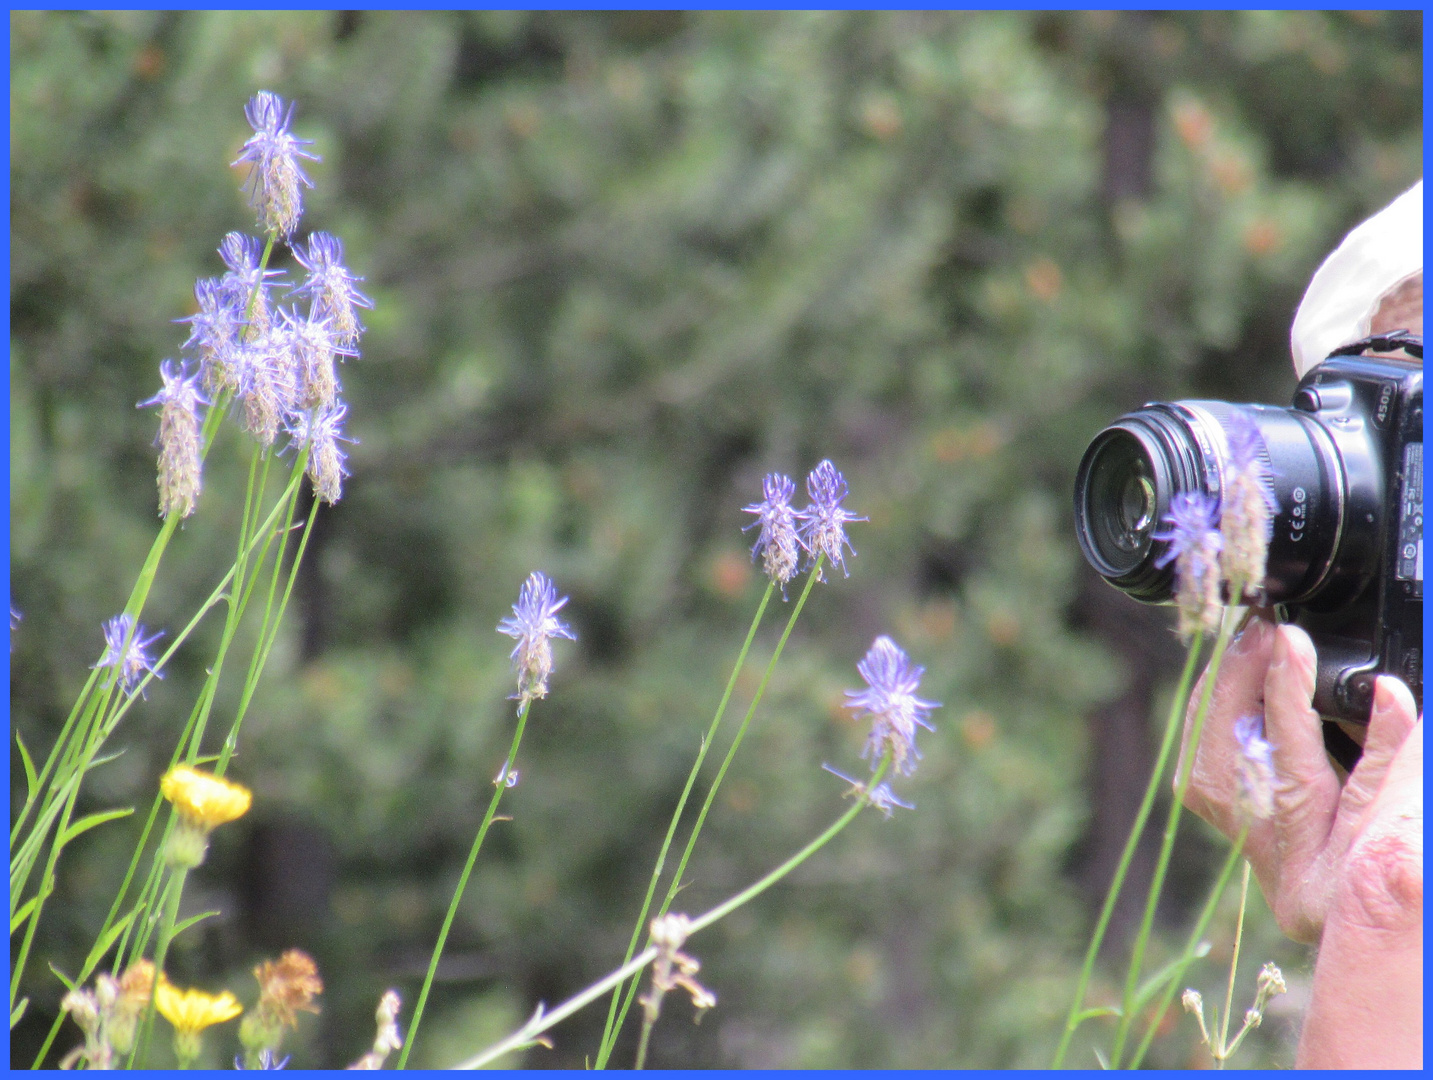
287, 987
1249, 507
1194, 546
134, 988
125, 646
823, 522
321, 431
534, 624
331, 287
190, 1012
388, 1038
1256, 767
778, 543
276, 176
91, 1016
890, 701
179, 441
1193, 1001
672, 968
881, 796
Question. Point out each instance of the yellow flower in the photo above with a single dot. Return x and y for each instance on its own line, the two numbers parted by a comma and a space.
191, 1011
204, 799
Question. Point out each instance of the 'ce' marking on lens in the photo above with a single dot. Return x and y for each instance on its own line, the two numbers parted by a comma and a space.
1296, 533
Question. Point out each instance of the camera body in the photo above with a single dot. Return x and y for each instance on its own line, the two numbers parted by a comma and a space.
1345, 463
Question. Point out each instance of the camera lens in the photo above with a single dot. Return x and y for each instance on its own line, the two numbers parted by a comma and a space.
1121, 501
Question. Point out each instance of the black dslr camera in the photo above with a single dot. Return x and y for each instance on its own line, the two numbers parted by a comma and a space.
1346, 554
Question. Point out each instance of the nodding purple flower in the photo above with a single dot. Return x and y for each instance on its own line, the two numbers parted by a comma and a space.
778, 543
277, 175
891, 703
15, 618
125, 646
1256, 767
214, 332
243, 255
320, 429
1194, 546
267, 1060
881, 796
823, 522
179, 441
1249, 506
331, 287
534, 624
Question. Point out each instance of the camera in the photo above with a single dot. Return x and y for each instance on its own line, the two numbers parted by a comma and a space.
1345, 462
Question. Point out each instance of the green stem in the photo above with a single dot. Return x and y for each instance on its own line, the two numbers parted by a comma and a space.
682, 803
140, 1053
1166, 849
1188, 956
1171, 730
604, 1051
1233, 967
542, 1021
499, 786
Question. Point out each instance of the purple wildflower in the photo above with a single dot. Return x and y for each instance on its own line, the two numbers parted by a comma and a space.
1249, 506
125, 646
890, 700
243, 255
179, 439
1194, 546
315, 352
214, 332
319, 428
1256, 767
534, 624
778, 542
823, 528
881, 797
267, 382
276, 175
331, 287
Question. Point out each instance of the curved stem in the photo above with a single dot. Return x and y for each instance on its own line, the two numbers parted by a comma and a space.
541, 1021
1233, 968
681, 805
1171, 729
1166, 848
605, 1051
499, 786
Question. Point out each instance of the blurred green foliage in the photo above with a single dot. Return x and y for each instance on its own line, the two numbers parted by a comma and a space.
624, 264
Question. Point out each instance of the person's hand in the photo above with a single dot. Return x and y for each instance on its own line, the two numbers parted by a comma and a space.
1299, 852
1366, 1010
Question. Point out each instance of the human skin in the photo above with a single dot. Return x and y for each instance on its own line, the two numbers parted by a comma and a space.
1340, 859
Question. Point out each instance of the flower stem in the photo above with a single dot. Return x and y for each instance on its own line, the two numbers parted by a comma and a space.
499, 786
140, 1053
681, 805
1166, 849
1187, 957
1171, 730
605, 1050
1224, 1047
541, 1021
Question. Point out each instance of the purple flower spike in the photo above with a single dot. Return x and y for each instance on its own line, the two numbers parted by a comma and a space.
129, 661
778, 543
891, 703
276, 177
881, 796
534, 624
1249, 509
180, 442
331, 288
1256, 767
1194, 546
823, 522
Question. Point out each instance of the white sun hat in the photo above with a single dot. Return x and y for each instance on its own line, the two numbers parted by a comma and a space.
1379, 261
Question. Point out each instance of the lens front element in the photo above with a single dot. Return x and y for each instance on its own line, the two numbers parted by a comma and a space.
1119, 503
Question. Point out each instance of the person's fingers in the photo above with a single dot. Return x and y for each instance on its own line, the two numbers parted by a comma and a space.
1394, 714
1238, 691
1306, 788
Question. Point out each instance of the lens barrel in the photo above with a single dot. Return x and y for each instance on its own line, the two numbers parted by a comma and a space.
1134, 468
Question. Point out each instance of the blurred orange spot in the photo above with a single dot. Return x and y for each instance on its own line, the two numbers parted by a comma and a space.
881, 117
741, 796
937, 621
523, 118
1262, 237
954, 444
977, 728
1003, 628
728, 574
1043, 279
1231, 173
862, 966
1194, 124
149, 62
